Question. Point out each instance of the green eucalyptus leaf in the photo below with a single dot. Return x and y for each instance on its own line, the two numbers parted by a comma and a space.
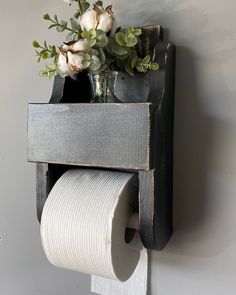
86, 56
93, 51
36, 44
98, 32
86, 63
63, 24
101, 56
134, 61
85, 34
60, 29
133, 54
129, 69
43, 74
95, 63
50, 71
70, 37
53, 54
93, 33
46, 16
102, 40
89, 35
141, 68
50, 67
78, 32
92, 42
129, 31
146, 59
77, 14
119, 50
123, 58
85, 5
76, 37
54, 51
154, 66
56, 19
120, 38
74, 24
44, 55
137, 32
131, 40
99, 3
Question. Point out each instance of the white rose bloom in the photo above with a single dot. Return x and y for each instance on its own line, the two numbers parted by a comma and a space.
98, 19
63, 66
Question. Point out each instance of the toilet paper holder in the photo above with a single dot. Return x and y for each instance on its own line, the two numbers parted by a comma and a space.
136, 136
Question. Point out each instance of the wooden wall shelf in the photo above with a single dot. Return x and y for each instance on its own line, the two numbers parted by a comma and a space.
136, 135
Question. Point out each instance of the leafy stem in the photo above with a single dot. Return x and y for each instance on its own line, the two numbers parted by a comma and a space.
80, 7
47, 51
83, 6
123, 50
50, 71
60, 26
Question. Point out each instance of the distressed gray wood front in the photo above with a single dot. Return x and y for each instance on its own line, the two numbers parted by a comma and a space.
97, 135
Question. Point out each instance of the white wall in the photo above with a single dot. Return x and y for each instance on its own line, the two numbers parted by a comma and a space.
200, 258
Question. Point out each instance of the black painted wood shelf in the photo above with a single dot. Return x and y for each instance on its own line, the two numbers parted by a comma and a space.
136, 135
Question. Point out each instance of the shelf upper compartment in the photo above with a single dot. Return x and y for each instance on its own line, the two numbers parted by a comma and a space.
94, 135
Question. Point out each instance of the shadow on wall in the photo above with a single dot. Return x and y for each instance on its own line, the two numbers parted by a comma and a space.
192, 148
196, 232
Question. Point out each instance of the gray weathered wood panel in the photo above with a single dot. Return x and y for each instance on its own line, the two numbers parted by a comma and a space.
97, 135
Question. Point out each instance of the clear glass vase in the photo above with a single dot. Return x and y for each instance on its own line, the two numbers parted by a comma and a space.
103, 87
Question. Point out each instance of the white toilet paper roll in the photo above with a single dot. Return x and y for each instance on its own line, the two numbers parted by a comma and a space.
84, 222
137, 284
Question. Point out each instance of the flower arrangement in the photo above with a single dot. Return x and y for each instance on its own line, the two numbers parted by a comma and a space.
94, 43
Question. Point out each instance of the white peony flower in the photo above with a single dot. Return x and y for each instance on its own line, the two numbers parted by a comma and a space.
98, 19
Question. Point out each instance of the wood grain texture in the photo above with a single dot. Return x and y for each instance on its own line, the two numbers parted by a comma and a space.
94, 135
